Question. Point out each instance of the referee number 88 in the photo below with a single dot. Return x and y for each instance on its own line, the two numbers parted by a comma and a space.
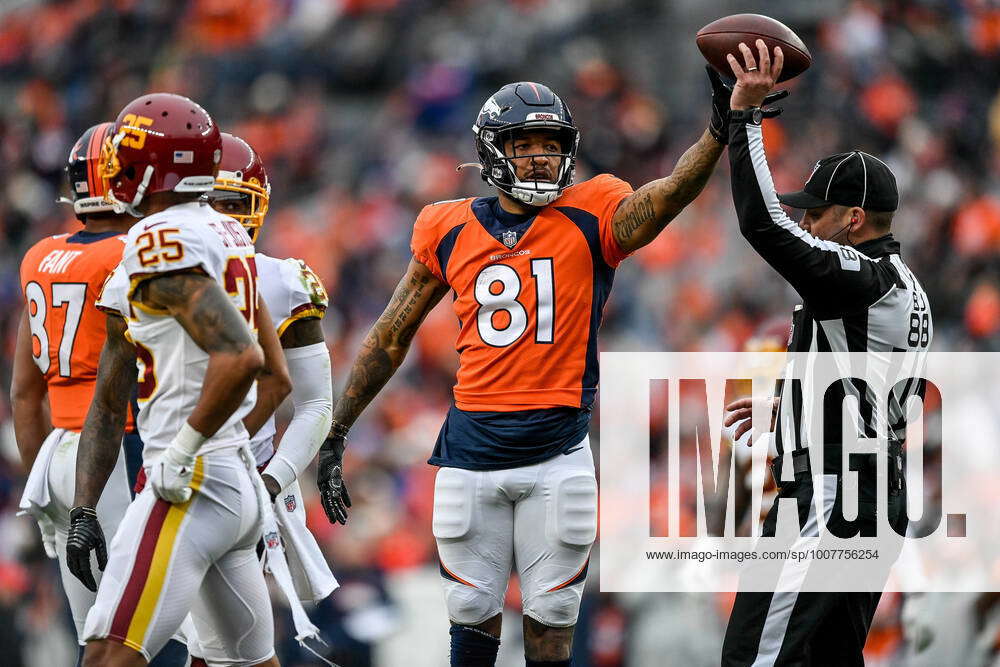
920, 330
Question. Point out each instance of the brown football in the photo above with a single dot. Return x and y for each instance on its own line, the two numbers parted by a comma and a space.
724, 35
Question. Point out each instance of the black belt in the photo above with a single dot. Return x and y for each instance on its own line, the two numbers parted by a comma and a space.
802, 469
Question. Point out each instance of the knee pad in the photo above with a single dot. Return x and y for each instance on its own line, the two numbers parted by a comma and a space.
552, 592
468, 605
557, 609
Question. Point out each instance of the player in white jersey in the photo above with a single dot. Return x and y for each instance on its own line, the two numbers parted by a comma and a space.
297, 302
187, 542
295, 295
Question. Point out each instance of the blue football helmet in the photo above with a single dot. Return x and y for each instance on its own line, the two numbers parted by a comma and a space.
524, 106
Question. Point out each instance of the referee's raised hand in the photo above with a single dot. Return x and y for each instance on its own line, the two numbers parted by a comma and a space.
755, 77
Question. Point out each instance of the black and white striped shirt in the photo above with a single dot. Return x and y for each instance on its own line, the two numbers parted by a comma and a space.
855, 298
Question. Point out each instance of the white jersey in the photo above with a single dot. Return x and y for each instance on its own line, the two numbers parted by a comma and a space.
291, 292
171, 366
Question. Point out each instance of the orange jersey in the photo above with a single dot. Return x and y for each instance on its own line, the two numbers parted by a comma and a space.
530, 293
61, 277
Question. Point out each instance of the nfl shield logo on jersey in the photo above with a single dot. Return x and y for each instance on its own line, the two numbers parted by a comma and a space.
510, 238
272, 540
290, 503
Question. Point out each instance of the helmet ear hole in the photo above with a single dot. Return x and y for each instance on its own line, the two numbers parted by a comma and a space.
129, 173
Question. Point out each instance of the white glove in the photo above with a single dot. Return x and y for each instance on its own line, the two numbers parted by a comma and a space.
171, 474
48, 530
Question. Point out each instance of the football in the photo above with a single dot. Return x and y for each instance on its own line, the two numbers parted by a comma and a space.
723, 36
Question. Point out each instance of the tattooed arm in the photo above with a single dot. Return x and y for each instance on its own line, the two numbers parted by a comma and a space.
388, 341
644, 214
200, 305
28, 392
381, 354
101, 439
98, 449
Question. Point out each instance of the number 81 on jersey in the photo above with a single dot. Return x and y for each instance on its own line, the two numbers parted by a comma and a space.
497, 290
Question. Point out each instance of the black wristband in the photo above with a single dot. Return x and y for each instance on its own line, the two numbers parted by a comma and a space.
85, 510
753, 116
335, 443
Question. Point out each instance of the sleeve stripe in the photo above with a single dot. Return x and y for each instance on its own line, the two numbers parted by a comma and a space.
303, 312
755, 141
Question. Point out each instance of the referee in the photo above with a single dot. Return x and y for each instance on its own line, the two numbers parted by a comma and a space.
857, 296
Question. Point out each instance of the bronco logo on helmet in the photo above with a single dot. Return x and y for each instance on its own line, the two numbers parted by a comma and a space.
87, 188
524, 106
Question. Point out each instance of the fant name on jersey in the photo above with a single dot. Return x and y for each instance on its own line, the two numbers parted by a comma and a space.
171, 366
58, 261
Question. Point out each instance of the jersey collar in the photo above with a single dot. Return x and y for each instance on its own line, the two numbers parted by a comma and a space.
83, 236
507, 228
880, 247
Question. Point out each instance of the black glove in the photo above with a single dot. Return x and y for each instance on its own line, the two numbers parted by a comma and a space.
332, 488
85, 535
721, 92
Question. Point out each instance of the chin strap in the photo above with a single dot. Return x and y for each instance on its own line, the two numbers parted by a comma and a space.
132, 208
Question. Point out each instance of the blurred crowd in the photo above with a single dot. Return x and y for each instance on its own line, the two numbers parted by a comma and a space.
362, 109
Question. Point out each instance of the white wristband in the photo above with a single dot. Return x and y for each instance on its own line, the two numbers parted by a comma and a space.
188, 440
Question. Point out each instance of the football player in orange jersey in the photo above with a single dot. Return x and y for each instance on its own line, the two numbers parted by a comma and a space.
531, 270
56, 357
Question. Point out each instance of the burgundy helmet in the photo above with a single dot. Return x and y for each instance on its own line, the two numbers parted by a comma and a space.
242, 190
161, 143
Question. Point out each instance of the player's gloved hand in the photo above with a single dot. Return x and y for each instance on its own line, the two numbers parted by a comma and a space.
332, 488
721, 92
171, 475
48, 531
85, 535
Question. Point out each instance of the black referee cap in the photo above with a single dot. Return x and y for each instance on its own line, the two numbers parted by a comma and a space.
849, 179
